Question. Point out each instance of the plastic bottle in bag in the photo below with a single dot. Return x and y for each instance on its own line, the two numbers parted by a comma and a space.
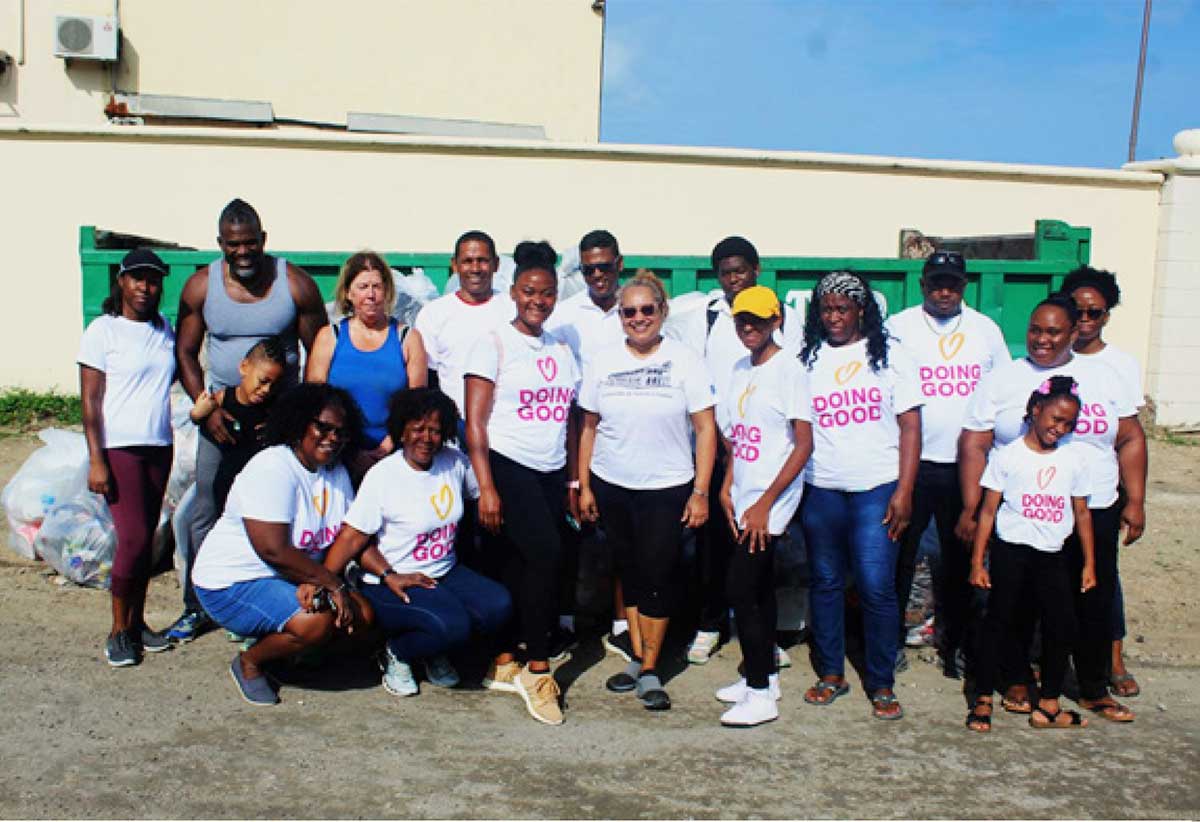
78, 540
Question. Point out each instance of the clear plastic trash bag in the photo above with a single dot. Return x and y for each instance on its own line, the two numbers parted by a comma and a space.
53, 474
78, 540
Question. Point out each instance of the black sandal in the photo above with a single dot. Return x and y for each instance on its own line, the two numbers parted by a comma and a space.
981, 719
1052, 719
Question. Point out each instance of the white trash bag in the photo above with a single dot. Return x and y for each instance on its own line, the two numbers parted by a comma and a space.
78, 540
53, 474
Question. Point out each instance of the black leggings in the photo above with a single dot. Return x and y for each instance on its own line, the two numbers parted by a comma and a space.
646, 534
1094, 610
527, 558
1024, 581
751, 591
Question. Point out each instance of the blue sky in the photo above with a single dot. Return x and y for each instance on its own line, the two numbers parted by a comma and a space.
1020, 81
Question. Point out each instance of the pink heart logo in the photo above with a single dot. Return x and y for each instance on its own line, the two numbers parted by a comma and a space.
548, 367
1046, 476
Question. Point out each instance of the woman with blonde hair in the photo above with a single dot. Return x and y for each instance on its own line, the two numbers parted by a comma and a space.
368, 352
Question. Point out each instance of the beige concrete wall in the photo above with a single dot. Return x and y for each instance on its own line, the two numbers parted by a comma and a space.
513, 61
402, 194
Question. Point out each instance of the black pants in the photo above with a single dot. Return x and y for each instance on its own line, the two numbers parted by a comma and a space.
1093, 610
645, 533
751, 591
527, 557
937, 496
1026, 580
714, 547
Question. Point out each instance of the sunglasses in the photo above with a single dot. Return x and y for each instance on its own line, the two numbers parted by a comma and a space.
604, 268
945, 258
328, 429
1092, 313
631, 311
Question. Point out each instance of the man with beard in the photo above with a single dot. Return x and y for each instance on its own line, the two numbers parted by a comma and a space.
242, 298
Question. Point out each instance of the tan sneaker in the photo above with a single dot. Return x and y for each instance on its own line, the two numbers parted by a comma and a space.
502, 677
540, 693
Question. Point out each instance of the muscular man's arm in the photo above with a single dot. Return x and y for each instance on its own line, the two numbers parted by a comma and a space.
189, 333
310, 307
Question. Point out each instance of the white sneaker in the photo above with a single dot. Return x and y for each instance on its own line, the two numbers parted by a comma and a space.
441, 673
736, 691
703, 646
398, 678
782, 660
755, 708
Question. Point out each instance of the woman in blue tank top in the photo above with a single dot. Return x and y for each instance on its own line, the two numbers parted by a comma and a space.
368, 353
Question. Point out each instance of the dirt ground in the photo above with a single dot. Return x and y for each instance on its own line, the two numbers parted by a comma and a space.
171, 738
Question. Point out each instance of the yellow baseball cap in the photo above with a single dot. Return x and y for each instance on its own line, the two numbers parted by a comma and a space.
757, 300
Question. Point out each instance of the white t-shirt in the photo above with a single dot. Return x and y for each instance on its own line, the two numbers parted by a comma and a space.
1128, 370
999, 406
415, 514
536, 381
584, 326
138, 362
721, 347
449, 328
757, 419
856, 439
951, 357
1037, 489
273, 487
643, 439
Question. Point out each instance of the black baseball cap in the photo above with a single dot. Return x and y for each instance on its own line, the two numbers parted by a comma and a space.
143, 258
946, 264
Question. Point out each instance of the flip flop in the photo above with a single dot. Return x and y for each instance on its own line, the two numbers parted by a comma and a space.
980, 719
1052, 720
1110, 710
1115, 685
827, 692
881, 700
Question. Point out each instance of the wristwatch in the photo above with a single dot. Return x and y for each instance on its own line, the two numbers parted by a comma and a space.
386, 573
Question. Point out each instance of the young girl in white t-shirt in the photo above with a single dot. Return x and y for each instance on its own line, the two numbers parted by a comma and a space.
520, 384
1036, 492
767, 429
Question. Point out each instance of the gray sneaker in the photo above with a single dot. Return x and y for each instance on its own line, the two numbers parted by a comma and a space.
121, 651
152, 642
441, 672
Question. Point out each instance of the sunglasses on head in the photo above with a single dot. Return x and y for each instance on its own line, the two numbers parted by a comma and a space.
1091, 313
326, 429
631, 311
945, 258
604, 268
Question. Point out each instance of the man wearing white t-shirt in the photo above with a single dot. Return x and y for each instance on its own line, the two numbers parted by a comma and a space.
450, 325
712, 334
953, 347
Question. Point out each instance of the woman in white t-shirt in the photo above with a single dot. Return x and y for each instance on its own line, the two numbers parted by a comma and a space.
767, 430
126, 367
1096, 294
259, 572
866, 423
641, 400
520, 384
407, 511
1108, 426
1036, 493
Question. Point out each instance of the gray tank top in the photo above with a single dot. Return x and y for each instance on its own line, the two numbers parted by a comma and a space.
234, 328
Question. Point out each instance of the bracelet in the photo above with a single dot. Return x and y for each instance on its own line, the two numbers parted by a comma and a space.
573, 484
699, 492
387, 572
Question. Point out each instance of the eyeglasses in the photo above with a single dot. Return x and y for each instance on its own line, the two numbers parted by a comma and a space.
328, 429
631, 311
945, 258
1092, 313
604, 268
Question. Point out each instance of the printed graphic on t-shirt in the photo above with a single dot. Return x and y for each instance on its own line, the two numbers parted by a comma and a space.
1041, 506
314, 541
844, 407
745, 439
952, 379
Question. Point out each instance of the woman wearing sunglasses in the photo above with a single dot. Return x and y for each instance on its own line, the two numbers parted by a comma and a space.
259, 571
1096, 293
641, 399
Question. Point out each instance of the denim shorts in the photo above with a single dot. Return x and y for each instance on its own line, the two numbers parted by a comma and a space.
254, 608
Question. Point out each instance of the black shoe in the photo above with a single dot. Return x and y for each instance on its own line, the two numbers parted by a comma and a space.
620, 645
151, 642
121, 650
562, 642
656, 700
621, 683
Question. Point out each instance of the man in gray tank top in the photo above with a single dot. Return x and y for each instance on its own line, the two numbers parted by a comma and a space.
234, 302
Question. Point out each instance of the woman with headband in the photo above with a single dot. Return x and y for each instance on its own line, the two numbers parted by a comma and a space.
866, 423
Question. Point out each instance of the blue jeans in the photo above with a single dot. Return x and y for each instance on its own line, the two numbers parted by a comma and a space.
845, 530
441, 618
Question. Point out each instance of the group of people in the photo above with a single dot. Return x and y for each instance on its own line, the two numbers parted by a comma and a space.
429, 486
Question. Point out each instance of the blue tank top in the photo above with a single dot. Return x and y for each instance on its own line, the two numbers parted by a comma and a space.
371, 377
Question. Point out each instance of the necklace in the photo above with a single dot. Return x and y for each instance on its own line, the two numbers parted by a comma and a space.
931, 327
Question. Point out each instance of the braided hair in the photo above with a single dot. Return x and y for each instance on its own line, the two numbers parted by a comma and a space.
855, 286
1057, 387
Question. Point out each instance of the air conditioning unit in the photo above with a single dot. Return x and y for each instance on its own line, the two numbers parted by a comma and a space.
84, 37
